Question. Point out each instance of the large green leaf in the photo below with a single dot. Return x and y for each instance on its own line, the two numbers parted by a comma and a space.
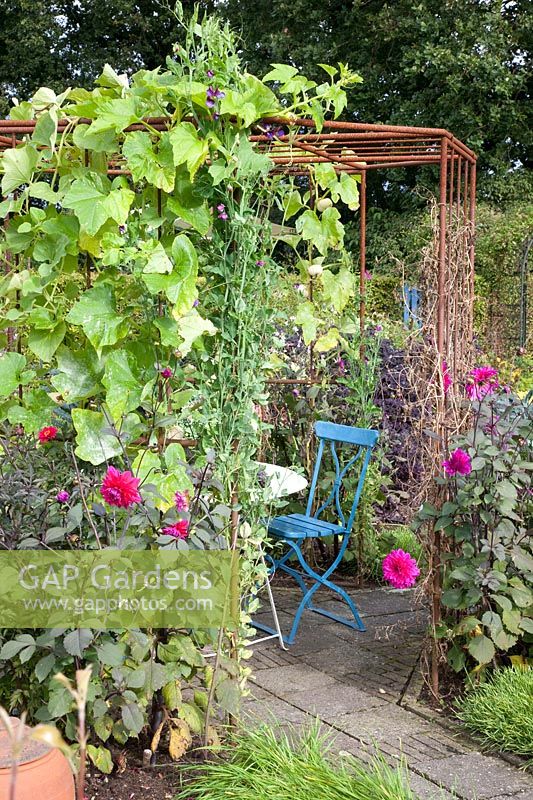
328, 341
95, 312
94, 442
305, 316
250, 162
45, 131
332, 228
187, 204
132, 717
44, 343
87, 200
191, 328
123, 386
168, 330
76, 377
315, 230
482, 649
147, 467
157, 260
338, 289
115, 115
11, 366
18, 165
93, 205
188, 148
86, 139
260, 96
35, 413
180, 285
77, 641
145, 163
101, 758
348, 189
281, 73
112, 79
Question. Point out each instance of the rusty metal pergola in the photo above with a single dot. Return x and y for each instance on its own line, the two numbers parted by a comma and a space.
355, 148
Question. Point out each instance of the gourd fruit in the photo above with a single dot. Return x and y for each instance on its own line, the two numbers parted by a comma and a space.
323, 203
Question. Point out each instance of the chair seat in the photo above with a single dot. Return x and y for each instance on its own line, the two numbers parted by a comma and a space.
300, 526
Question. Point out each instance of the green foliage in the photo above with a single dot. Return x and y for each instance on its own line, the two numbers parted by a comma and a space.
501, 236
269, 762
384, 538
421, 65
488, 574
115, 354
499, 710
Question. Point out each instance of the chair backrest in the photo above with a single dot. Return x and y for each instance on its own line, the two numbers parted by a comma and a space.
363, 440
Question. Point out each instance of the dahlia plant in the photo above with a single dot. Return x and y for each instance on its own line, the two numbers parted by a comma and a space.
486, 520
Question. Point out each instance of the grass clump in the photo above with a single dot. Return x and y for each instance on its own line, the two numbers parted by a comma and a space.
500, 711
269, 763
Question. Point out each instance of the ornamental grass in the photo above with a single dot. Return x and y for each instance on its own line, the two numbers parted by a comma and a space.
272, 764
500, 711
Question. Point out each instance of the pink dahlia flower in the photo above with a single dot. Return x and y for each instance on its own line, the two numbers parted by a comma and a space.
63, 496
400, 569
47, 434
181, 501
458, 463
120, 488
483, 381
179, 529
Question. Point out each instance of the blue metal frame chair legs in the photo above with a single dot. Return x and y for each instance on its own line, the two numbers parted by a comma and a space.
294, 529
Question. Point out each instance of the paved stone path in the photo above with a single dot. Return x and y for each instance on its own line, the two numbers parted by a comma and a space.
363, 688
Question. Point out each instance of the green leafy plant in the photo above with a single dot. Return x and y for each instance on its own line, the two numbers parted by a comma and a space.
486, 518
270, 762
138, 270
499, 710
385, 538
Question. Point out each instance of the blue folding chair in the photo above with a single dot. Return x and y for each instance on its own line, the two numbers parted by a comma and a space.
294, 529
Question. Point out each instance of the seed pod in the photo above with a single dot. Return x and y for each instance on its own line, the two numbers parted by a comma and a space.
315, 269
323, 203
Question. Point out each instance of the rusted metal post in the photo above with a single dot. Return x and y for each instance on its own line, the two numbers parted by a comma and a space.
441, 280
362, 258
472, 232
441, 323
362, 312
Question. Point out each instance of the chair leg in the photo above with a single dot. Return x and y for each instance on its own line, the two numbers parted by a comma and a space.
319, 580
274, 633
274, 611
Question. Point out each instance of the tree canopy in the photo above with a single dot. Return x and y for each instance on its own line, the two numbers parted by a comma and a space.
458, 64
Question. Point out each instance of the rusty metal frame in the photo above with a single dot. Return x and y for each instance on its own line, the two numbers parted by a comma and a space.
355, 148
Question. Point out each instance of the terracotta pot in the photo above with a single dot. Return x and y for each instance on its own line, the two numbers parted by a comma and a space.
43, 772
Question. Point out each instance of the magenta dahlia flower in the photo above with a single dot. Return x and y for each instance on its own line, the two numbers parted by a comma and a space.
400, 569
63, 496
179, 529
120, 488
459, 463
47, 434
483, 381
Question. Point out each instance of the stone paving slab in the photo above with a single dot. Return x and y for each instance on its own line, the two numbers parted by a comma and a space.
332, 698
355, 684
287, 680
426, 790
474, 776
